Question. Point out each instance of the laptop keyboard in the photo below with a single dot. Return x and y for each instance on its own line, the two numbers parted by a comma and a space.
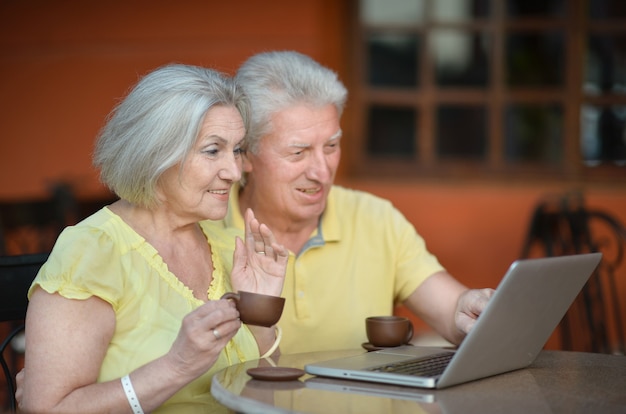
422, 367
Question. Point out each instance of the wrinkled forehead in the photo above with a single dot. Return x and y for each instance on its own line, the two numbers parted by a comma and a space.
306, 122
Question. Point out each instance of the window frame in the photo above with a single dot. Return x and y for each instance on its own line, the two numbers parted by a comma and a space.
575, 26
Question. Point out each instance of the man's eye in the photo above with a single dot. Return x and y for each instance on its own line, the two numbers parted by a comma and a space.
239, 151
331, 148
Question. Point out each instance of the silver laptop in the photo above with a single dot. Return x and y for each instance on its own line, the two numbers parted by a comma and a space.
527, 306
396, 392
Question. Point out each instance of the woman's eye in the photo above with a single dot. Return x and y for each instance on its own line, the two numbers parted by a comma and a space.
239, 151
211, 152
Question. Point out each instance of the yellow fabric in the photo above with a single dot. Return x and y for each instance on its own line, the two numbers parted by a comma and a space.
102, 256
365, 258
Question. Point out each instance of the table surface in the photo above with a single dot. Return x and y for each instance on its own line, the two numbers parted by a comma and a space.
557, 382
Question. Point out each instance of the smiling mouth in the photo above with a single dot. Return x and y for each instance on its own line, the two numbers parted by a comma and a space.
309, 190
220, 192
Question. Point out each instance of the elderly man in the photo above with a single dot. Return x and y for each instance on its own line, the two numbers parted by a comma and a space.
352, 254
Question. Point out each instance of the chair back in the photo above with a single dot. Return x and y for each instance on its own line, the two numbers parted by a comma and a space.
562, 225
16, 276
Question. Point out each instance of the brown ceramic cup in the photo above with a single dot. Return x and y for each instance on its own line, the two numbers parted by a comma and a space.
387, 331
256, 308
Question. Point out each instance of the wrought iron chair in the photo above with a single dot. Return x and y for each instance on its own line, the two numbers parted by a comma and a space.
32, 226
16, 276
562, 225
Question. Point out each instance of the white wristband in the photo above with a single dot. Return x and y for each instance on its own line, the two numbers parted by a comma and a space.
131, 396
279, 335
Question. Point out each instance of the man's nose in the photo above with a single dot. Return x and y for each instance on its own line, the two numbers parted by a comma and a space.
319, 168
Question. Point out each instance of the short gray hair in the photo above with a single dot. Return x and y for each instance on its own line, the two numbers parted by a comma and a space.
156, 126
275, 80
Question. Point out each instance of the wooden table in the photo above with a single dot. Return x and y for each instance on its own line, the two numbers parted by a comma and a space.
557, 382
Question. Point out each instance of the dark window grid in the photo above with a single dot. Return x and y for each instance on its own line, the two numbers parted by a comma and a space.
391, 131
461, 132
393, 60
535, 59
606, 10
534, 133
516, 9
603, 134
610, 26
426, 122
412, 52
501, 96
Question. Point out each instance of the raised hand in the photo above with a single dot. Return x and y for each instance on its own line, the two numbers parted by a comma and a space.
259, 264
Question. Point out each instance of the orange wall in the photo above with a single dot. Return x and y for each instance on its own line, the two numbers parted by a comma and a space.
64, 64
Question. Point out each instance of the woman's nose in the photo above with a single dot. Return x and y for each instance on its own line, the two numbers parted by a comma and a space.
232, 170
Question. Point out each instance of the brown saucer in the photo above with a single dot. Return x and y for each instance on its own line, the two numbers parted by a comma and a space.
256, 384
369, 347
275, 373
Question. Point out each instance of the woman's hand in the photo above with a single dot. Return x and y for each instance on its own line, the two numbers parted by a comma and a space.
203, 334
259, 264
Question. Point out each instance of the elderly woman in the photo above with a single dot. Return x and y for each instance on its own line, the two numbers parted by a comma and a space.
126, 314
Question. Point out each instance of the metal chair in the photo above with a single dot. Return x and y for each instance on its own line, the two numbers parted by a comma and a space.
32, 225
562, 225
16, 276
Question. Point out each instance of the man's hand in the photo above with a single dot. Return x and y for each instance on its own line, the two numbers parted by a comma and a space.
469, 307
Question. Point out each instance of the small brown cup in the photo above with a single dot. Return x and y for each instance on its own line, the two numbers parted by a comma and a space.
387, 331
256, 308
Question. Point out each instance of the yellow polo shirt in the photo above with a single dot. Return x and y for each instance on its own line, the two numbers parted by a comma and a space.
364, 258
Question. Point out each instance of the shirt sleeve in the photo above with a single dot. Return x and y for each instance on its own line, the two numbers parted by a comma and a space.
84, 262
414, 263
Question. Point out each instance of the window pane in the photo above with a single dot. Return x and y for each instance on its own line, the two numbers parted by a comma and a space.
459, 10
535, 59
461, 132
375, 12
603, 134
534, 133
606, 64
393, 60
607, 9
536, 8
461, 57
391, 131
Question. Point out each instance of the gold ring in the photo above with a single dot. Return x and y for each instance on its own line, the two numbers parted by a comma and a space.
261, 252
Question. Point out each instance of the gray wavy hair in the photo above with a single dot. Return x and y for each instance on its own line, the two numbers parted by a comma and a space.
275, 80
157, 124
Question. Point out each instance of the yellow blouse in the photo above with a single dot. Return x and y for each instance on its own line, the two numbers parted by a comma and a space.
105, 257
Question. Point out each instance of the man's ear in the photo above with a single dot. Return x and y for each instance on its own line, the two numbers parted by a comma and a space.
247, 165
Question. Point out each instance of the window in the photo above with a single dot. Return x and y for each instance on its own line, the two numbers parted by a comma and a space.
490, 88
